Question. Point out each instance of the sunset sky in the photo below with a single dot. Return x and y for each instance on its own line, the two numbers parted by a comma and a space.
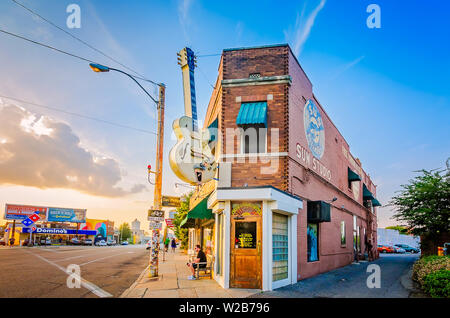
387, 90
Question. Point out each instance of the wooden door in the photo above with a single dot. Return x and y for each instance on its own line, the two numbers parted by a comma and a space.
246, 252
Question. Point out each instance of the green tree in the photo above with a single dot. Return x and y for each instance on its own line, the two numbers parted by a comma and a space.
124, 231
182, 211
401, 229
424, 203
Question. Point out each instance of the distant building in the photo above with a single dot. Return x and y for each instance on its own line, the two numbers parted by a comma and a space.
391, 237
136, 231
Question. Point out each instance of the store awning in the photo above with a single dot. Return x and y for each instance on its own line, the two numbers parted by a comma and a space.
375, 202
200, 211
367, 195
353, 176
213, 130
252, 114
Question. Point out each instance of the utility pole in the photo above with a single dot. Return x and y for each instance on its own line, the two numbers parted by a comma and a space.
154, 261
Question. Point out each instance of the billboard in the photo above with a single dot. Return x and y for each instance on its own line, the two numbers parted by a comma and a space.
66, 215
101, 226
21, 212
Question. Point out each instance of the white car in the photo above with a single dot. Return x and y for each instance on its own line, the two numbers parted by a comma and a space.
101, 243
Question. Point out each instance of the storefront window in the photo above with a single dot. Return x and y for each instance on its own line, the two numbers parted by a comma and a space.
245, 235
208, 241
280, 246
313, 242
343, 236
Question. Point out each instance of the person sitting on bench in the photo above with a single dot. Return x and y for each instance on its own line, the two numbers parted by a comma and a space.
201, 258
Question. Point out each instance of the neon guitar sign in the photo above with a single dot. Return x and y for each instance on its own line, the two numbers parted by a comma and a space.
191, 158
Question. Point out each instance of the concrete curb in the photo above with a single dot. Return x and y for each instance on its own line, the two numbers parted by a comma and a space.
127, 291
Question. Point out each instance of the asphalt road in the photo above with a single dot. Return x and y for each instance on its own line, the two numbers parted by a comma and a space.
40, 272
351, 281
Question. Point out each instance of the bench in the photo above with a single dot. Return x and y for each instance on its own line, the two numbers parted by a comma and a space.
207, 270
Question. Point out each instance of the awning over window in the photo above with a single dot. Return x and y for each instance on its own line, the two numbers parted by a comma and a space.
367, 195
252, 114
353, 176
213, 130
375, 202
200, 211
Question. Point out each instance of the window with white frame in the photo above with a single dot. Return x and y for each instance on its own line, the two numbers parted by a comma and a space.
280, 247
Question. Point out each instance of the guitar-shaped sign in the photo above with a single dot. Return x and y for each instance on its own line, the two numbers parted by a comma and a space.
191, 158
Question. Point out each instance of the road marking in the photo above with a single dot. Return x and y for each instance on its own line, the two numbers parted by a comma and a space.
84, 255
98, 259
88, 285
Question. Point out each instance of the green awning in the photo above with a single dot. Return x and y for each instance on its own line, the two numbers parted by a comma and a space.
200, 211
375, 202
252, 114
187, 222
367, 195
353, 176
213, 130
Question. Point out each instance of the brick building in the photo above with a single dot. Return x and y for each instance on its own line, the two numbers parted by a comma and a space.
290, 201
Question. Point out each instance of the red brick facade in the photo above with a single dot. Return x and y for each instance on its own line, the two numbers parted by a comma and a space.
282, 83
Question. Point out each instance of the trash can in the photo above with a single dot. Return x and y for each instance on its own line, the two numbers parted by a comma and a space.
440, 251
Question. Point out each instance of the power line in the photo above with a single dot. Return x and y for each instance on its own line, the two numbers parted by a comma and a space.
79, 115
63, 52
82, 41
46, 46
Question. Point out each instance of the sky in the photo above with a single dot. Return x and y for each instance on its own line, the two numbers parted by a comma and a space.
386, 89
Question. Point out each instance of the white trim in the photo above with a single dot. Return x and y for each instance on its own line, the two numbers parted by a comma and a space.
261, 154
266, 247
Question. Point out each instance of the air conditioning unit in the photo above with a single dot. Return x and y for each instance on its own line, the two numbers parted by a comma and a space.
319, 211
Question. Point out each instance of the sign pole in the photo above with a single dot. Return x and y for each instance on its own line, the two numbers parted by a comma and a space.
158, 182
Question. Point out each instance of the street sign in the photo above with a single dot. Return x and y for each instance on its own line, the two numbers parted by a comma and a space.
27, 222
155, 219
170, 201
169, 223
156, 213
155, 226
35, 217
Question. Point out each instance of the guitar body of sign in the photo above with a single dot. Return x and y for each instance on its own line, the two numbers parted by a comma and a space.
156, 213
155, 226
170, 201
191, 159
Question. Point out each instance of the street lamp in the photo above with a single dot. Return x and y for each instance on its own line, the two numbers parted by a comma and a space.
98, 68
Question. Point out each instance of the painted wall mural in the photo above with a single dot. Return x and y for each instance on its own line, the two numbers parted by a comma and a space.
314, 130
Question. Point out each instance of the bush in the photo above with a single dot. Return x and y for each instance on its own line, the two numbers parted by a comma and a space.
437, 284
429, 264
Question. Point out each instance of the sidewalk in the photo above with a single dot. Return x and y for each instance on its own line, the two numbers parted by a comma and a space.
173, 283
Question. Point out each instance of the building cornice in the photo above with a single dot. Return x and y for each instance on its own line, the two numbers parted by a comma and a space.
266, 80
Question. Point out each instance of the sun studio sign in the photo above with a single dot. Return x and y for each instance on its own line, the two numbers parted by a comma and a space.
315, 136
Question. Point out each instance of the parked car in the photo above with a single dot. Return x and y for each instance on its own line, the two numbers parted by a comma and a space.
398, 250
124, 243
408, 248
2, 241
101, 243
385, 249
45, 241
74, 241
148, 245
87, 242
111, 242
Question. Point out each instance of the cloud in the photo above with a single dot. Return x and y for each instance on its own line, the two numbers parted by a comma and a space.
304, 28
346, 67
183, 16
39, 152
